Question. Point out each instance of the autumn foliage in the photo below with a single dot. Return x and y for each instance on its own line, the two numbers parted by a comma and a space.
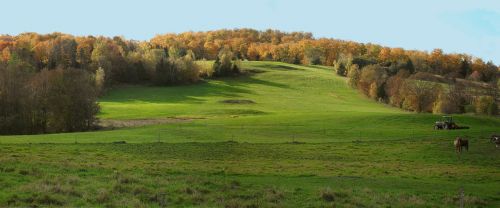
35, 67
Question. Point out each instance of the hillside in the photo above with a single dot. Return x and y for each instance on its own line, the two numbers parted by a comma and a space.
280, 135
308, 104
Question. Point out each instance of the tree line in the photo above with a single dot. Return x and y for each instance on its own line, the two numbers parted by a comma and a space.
303, 48
50, 83
403, 78
59, 100
414, 80
400, 86
36, 69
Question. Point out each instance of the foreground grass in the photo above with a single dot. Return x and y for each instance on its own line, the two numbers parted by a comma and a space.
301, 138
357, 174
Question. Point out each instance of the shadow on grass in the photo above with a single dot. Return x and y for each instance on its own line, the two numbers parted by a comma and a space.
275, 66
247, 79
173, 94
319, 67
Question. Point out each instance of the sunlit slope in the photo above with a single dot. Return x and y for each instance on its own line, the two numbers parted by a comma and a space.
276, 88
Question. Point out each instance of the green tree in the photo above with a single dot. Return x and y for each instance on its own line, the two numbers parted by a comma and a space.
100, 77
63, 53
419, 96
485, 105
224, 64
353, 76
340, 68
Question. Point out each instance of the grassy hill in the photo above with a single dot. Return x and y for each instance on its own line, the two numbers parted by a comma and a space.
287, 103
281, 135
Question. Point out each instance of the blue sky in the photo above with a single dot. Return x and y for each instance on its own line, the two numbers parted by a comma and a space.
455, 26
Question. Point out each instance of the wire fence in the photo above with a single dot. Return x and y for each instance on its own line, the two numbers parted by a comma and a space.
305, 133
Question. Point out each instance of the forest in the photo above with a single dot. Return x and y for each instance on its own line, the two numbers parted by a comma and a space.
51, 82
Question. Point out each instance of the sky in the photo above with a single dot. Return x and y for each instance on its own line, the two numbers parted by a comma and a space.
456, 26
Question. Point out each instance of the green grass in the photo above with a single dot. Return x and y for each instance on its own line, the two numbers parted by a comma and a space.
292, 103
220, 174
308, 140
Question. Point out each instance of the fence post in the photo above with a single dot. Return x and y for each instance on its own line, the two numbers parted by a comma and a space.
159, 131
461, 195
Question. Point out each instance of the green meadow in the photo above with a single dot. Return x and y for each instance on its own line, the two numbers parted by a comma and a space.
280, 135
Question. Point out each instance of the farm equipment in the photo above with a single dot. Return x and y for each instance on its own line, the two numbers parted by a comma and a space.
448, 124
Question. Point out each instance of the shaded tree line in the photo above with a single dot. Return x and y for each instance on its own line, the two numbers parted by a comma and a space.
50, 83
59, 100
399, 85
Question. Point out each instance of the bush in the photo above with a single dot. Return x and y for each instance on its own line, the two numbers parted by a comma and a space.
224, 64
206, 68
393, 86
100, 77
485, 105
493, 109
372, 81
340, 68
419, 96
176, 70
446, 103
470, 109
353, 76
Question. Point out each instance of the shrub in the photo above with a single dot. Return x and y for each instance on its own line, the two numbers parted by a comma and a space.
392, 88
353, 74
485, 105
340, 68
100, 78
372, 81
470, 109
446, 103
224, 64
419, 96
206, 68
492, 109
176, 70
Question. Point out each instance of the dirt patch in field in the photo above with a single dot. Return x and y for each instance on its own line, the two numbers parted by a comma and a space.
113, 124
238, 101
